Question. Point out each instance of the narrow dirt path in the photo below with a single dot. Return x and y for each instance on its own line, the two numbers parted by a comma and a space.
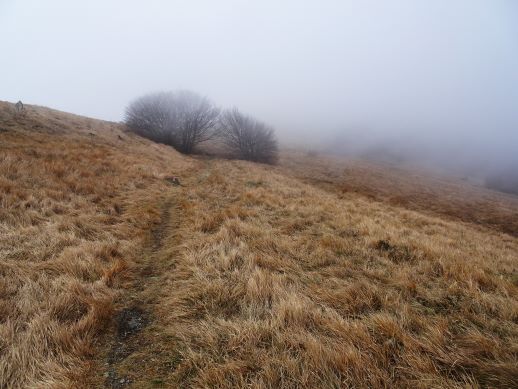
135, 337
135, 316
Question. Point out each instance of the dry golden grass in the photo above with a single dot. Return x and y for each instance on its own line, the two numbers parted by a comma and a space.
280, 284
407, 188
75, 203
247, 275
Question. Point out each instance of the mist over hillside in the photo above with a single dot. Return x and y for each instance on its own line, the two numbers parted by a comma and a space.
259, 194
492, 165
435, 83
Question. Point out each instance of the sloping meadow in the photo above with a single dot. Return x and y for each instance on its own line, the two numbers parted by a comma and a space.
281, 284
263, 280
77, 197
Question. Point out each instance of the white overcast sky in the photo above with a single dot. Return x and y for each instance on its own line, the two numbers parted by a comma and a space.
444, 72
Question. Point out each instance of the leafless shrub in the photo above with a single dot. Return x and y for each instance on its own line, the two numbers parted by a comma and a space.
195, 120
152, 117
247, 138
181, 119
19, 106
19, 109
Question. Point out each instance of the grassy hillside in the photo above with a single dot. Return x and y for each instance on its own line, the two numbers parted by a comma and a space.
454, 200
244, 276
77, 198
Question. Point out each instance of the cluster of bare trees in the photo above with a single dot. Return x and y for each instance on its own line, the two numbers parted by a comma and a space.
185, 119
180, 119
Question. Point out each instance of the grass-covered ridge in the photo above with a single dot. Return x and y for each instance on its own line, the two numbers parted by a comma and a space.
246, 275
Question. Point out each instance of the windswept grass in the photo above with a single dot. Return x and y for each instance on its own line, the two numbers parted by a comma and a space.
76, 199
281, 284
256, 276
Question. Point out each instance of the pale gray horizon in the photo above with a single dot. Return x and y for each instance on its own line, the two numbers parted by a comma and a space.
436, 77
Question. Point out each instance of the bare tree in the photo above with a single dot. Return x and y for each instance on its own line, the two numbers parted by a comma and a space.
248, 138
152, 117
195, 120
19, 106
181, 119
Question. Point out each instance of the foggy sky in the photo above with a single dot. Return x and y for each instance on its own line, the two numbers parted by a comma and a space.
438, 76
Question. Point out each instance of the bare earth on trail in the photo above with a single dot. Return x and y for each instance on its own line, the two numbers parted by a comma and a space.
246, 275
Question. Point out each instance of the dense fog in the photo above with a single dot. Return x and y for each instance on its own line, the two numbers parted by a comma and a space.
434, 82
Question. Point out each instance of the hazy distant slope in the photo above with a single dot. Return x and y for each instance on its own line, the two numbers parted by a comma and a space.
407, 188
